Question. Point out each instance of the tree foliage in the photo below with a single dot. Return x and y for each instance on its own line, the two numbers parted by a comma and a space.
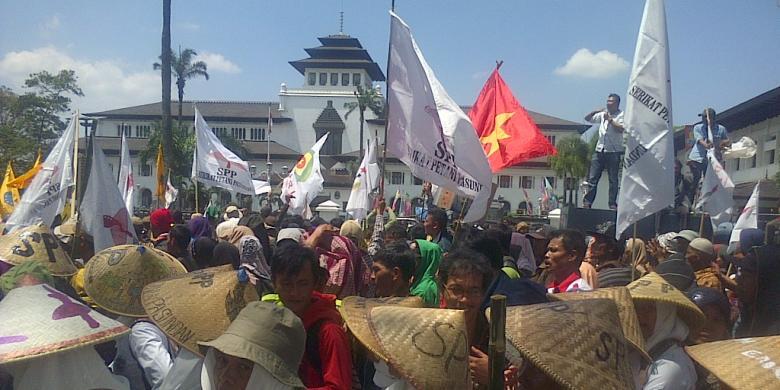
367, 98
34, 117
572, 159
184, 69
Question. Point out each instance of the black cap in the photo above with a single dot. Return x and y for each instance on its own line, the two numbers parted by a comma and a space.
704, 113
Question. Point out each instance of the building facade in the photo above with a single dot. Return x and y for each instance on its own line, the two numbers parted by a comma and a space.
302, 114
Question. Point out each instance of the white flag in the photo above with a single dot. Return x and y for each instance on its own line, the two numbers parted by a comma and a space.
47, 194
427, 130
215, 165
366, 180
304, 183
103, 212
171, 193
748, 219
716, 192
126, 180
648, 170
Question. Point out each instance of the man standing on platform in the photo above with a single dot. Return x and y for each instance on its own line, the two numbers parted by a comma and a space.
706, 135
609, 150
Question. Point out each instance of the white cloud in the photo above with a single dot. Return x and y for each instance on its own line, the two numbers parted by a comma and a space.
217, 62
50, 25
586, 64
480, 75
106, 83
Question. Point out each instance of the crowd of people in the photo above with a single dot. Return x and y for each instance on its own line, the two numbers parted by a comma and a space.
267, 300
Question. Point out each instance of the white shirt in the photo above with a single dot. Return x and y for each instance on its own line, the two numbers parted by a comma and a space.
151, 349
672, 370
610, 139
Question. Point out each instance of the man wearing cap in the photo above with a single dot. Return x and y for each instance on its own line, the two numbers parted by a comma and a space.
609, 150
700, 255
705, 136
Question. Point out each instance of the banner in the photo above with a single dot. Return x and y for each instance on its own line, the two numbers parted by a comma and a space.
171, 193
648, 169
305, 181
103, 213
9, 196
717, 191
215, 165
748, 219
126, 182
427, 130
47, 194
366, 180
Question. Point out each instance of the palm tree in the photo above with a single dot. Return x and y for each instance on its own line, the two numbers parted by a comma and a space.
572, 160
165, 58
185, 69
367, 98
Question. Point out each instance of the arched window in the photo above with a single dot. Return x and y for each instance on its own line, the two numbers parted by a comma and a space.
146, 198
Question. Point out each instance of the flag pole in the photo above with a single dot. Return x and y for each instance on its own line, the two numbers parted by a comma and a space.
634, 256
701, 223
73, 198
387, 109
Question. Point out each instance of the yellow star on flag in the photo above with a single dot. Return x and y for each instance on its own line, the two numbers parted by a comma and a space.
498, 132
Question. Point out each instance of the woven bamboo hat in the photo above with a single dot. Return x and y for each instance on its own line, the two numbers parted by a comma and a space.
115, 277
428, 347
38, 320
36, 243
355, 311
197, 306
626, 312
579, 344
752, 363
652, 287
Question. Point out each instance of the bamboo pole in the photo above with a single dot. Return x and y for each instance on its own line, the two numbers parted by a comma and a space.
497, 343
702, 217
634, 256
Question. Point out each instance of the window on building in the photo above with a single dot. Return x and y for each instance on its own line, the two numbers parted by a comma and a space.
753, 161
323, 78
770, 157
736, 163
344, 79
219, 131
312, 78
238, 133
551, 180
551, 138
356, 79
111, 167
127, 130
257, 134
337, 195
334, 79
143, 131
146, 198
417, 181
332, 145
145, 169
397, 178
505, 181
527, 182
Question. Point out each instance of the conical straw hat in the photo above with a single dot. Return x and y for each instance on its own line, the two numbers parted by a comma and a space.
38, 320
36, 243
115, 277
428, 347
626, 312
752, 363
653, 287
197, 306
579, 344
355, 311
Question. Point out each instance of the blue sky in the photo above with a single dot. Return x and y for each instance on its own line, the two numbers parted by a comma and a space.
562, 57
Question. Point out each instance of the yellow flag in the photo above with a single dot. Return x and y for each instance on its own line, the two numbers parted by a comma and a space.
23, 181
160, 192
9, 197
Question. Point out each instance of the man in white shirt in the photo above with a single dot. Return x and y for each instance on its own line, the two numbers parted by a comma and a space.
609, 149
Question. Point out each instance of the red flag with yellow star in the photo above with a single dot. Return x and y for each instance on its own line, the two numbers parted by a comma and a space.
508, 134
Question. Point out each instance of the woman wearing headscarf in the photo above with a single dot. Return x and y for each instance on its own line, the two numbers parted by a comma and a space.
256, 222
199, 227
237, 233
261, 349
256, 264
666, 317
424, 285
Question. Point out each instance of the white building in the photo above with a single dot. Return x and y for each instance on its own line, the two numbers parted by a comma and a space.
301, 115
